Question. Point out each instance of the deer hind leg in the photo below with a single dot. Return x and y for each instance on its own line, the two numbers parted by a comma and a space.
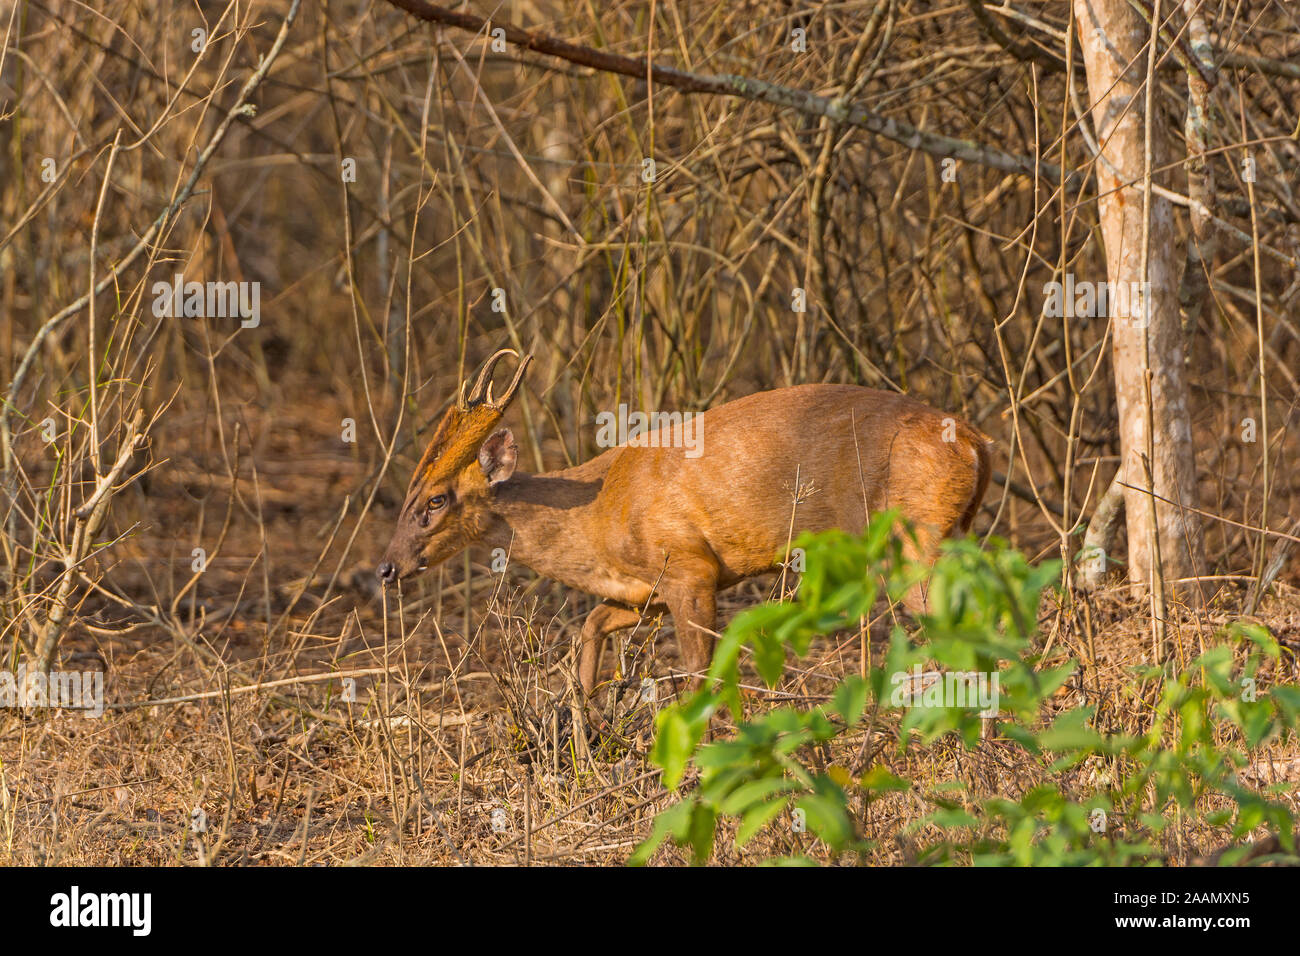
604, 620
934, 506
933, 519
923, 550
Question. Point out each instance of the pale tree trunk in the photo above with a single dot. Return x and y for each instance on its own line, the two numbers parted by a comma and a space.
1155, 425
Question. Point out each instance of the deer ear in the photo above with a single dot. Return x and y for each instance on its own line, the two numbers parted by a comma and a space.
497, 457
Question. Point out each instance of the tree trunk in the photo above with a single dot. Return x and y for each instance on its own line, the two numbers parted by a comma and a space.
1148, 354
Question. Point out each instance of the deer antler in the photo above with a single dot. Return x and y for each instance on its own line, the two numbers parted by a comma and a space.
481, 393
509, 396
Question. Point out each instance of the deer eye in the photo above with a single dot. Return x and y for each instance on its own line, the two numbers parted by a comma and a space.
424, 517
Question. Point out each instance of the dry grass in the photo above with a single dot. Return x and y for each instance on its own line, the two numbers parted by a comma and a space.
472, 752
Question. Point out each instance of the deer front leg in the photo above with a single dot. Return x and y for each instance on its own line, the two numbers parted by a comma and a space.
604, 620
695, 612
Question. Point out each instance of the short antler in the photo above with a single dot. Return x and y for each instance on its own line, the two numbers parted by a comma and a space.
481, 393
509, 396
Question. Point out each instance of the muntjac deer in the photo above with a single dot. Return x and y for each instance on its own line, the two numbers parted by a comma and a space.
659, 524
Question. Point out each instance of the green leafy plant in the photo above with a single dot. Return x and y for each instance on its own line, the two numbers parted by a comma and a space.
981, 622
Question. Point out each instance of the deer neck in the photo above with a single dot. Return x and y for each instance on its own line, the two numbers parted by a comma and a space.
545, 522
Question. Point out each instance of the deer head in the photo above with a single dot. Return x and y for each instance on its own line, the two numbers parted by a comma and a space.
447, 504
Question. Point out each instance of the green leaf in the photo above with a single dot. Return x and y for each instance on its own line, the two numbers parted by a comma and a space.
757, 817
750, 793
704, 821
850, 698
951, 818
673, 745
827, 818
769, 657
879, 778
1070, 731
674, 821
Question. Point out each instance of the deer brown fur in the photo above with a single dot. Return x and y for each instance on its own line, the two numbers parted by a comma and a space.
651, 528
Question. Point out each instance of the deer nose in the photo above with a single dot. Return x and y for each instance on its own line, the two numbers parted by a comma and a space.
387, 572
